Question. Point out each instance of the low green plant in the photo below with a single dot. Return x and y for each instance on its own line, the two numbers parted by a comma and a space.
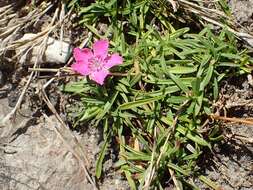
156, 107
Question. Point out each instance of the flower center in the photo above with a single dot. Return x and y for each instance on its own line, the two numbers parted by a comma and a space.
96, 64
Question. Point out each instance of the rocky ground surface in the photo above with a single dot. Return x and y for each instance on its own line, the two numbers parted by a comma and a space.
33, 156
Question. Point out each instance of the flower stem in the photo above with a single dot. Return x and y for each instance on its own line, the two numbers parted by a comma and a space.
122, 74
66, 69
69, 70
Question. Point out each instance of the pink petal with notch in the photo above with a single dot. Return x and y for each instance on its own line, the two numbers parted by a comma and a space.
99, 76
100, 48
82, 55
81, 68
114, 59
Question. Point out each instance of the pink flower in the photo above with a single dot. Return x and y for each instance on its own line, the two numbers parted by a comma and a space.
95, 63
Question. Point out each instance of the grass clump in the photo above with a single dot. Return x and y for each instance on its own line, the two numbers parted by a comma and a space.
156, 108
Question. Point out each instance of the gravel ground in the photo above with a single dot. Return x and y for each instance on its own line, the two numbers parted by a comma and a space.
231, 163
243, 12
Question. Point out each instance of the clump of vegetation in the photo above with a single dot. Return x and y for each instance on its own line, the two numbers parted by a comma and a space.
158, 103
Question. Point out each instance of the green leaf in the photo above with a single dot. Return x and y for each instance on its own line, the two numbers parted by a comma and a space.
75, 87
153, 80
72, 3
136, 79
207, 78
137, 103
177, 168
136, 155
179, 62
228, 64
162, 92
107, 107
194, 137
204, 61
207, 110
196, 86
230, 56
182, 70
90, 112
99, 163
93, 30
130, 180
215, 89
198, 104
178, 82
177, 99
178, 33
92, 101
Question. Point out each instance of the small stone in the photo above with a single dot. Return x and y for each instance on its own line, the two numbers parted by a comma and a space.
56, 51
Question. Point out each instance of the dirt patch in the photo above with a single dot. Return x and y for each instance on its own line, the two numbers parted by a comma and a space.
230, 165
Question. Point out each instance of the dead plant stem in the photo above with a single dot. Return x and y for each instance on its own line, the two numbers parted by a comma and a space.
233, 119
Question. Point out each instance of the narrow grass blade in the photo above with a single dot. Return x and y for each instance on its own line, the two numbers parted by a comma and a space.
178, 82
134, 104
99, 163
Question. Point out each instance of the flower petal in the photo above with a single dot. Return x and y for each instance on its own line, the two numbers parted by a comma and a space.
81, 68
100, 48
114, 59
82, 55
99, 76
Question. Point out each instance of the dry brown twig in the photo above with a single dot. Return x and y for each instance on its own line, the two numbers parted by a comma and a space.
11, 115
11, 24
244, 139
246, 121
42, 40
70, 72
